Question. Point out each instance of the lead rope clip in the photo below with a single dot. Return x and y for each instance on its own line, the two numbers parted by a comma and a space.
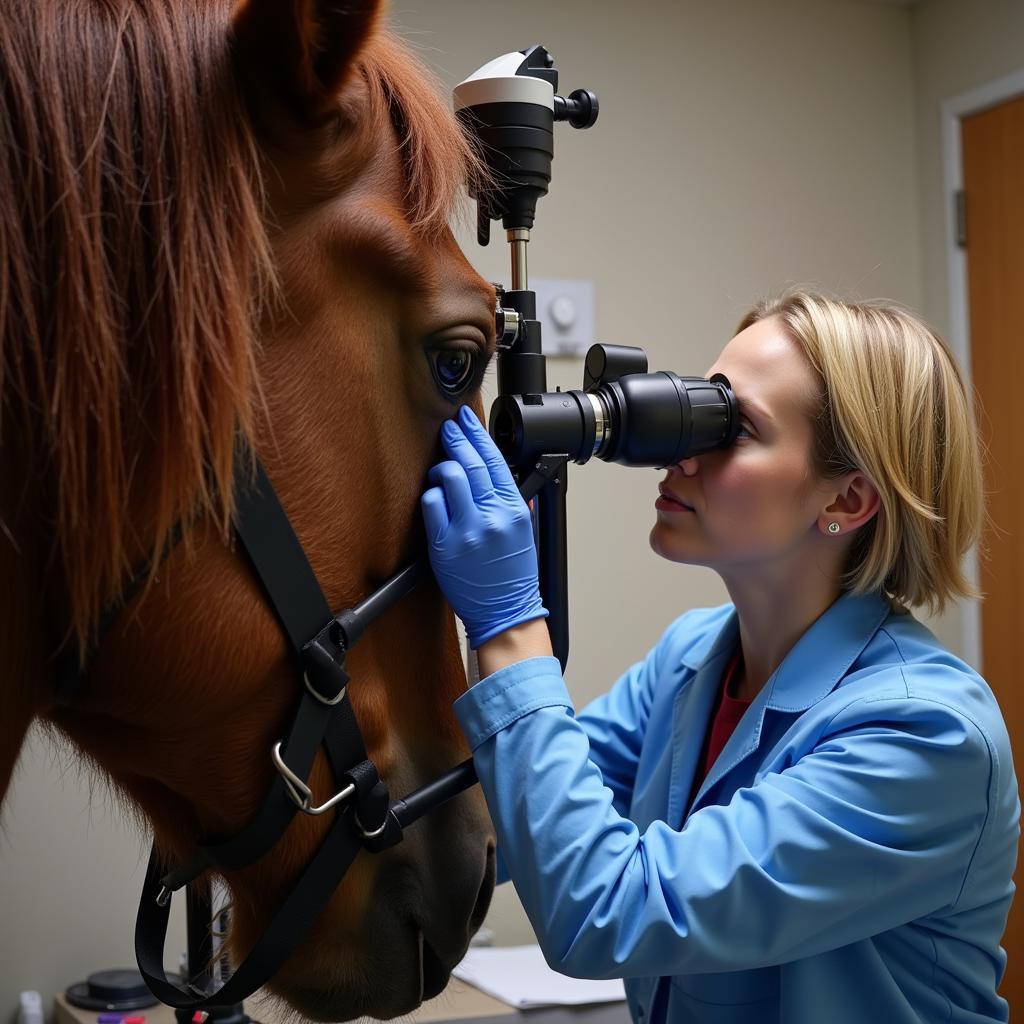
301, 794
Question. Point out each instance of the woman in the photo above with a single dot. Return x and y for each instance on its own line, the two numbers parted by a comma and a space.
799, 807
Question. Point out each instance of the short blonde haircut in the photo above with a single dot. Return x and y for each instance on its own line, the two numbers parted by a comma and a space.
893, 404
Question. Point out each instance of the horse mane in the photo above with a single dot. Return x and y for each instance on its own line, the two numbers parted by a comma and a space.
438, 157
134, 262
132, 248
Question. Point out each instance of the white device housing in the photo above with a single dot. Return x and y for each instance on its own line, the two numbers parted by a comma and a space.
497, 82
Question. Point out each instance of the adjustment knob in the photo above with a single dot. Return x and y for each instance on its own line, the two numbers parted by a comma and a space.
580, 108
506, 321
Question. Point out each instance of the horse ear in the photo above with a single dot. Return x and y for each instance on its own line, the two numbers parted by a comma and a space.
305, 47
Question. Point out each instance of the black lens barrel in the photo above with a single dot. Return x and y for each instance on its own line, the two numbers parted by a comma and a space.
517, 142
524, 427
640, 419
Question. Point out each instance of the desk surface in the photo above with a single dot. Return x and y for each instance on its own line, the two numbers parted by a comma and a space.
458, 1002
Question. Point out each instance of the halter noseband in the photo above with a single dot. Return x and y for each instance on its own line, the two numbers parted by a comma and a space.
366, 816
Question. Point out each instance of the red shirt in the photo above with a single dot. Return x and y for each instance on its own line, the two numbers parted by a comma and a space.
728, 713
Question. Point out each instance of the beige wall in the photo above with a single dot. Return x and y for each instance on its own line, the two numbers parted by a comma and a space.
743, 145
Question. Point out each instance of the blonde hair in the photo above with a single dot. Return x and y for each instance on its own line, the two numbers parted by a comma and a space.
893, 405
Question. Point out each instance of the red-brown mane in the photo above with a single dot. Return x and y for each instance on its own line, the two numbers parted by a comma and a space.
133, 253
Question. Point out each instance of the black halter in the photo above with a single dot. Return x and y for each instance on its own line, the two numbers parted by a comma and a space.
366, 817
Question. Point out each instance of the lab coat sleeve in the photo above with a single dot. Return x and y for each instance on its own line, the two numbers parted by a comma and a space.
871, 828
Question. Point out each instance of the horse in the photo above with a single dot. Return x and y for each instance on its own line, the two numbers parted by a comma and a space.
229, 220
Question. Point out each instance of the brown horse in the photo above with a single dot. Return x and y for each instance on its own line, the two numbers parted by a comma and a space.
222, 219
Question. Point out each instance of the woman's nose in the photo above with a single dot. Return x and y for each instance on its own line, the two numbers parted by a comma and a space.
688, 466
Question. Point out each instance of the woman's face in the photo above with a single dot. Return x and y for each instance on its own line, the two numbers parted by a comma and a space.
754, 506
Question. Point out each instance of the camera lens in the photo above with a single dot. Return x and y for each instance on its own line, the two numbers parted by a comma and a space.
556, 423
640, 419
503, 430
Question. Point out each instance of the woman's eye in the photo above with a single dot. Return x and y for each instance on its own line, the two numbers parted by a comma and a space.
454, 369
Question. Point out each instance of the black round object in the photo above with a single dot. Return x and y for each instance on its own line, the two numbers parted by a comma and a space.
121, 989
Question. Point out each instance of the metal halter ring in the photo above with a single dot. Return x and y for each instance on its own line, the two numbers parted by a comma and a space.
377, 831
300, 793
319, 696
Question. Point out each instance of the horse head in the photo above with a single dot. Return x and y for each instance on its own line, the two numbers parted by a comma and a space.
226, 220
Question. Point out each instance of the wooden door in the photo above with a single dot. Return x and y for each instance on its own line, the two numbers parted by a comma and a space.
993, 166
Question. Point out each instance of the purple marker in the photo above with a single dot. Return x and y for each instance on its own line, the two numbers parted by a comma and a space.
110, 1018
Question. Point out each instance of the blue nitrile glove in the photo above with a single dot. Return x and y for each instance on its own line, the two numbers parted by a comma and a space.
479, 534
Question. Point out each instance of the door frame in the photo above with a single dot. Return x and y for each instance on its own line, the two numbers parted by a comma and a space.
974, 101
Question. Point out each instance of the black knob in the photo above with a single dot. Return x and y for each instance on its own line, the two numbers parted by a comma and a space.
580, 108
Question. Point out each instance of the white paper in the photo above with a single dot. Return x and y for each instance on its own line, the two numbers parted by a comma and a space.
519, 976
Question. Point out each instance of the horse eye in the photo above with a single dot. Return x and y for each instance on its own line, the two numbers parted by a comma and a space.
453, 369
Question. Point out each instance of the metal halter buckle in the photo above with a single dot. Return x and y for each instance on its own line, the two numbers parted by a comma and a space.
300, 793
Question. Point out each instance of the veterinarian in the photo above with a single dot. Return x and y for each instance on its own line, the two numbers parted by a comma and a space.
799, 806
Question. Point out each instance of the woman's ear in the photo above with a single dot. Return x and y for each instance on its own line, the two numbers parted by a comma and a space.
854, 501
303, 50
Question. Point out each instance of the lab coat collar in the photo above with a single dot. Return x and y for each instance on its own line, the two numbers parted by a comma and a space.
824, 654
811, 670
713, 643
816, 662
692, 709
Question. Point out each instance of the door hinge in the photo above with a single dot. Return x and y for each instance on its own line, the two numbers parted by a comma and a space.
960, 217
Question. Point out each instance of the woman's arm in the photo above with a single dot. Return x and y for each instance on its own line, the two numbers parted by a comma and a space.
874, 827
530, 640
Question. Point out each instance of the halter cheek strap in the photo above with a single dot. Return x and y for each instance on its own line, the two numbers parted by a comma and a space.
324, 717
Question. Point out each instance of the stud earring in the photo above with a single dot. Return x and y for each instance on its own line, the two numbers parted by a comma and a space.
833, 527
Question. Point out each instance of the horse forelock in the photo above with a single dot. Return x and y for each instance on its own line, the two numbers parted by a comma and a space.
133, 258
438, 159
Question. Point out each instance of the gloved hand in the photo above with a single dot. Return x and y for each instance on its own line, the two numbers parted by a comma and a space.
479, 534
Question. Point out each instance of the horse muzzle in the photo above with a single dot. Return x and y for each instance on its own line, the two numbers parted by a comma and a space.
402, 953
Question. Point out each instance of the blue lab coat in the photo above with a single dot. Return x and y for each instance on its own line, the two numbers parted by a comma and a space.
847, 859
